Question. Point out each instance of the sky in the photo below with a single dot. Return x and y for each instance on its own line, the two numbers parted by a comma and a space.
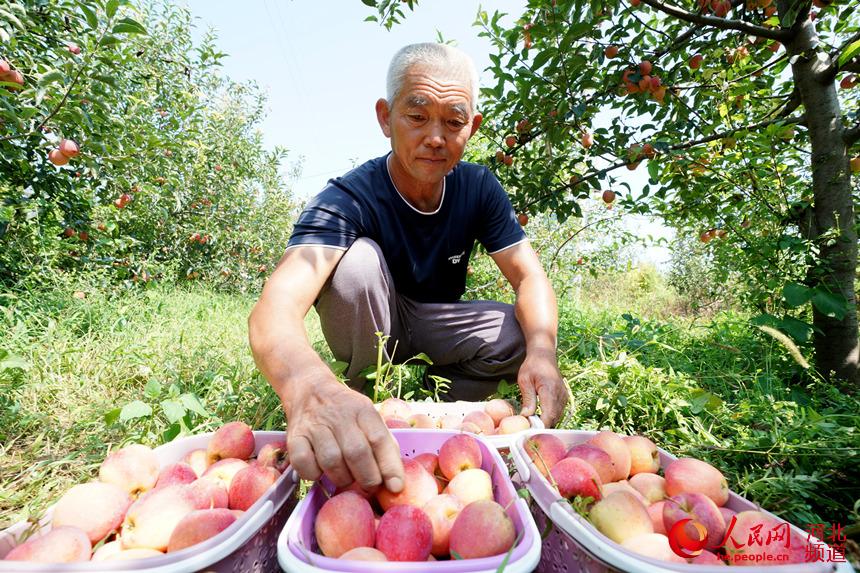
323, 68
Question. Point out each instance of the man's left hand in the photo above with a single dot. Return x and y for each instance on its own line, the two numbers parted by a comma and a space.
540, 380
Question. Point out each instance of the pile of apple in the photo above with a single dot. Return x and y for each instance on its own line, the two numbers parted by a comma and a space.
634, 506
497, 417
446, 499
137, 509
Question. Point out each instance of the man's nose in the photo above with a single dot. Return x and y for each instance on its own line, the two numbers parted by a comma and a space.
435, 135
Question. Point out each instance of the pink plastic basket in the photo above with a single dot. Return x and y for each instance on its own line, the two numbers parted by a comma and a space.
248, 545
460, 408
298, 551
575, 545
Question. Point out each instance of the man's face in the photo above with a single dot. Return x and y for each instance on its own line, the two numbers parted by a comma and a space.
429, 124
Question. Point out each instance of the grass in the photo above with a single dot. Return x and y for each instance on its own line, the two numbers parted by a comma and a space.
146, 364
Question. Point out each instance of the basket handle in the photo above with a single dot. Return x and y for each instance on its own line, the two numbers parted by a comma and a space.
519, 462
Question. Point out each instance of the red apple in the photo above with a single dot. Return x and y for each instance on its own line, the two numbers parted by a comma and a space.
250, 484
95, 508
459, 453
482, 420
610, 51
274, 455
442, 511
597, 457
421, 421
232, 440
653, 545
419, 486
608, 196
619, 516
545, 450
64, 544
482, 529
344, 522
405, 533
395, 408
364, 554
688, 475
134, 468
651, 486
643, 455
198, 526
513, 424
471, 485
180, 472
655, 511
614, 445
69, 148
576, 477
57, 158
699, 508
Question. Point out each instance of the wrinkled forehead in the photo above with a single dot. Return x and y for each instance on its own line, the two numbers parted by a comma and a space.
451, 85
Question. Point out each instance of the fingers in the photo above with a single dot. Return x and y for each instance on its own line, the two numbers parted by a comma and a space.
329, 456
527, 390
359, 457
386, 451
553, 399
302, 458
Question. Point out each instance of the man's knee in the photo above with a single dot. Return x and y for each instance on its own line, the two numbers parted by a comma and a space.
361, 269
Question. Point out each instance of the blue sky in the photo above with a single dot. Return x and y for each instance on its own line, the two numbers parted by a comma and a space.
323, 68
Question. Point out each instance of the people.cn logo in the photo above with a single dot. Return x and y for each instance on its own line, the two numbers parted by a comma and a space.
683, 543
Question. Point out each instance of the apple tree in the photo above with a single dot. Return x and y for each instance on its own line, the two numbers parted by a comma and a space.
734, 121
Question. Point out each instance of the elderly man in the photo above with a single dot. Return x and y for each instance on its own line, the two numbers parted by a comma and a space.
385, 249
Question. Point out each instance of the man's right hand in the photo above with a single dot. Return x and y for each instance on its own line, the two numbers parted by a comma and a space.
336, 431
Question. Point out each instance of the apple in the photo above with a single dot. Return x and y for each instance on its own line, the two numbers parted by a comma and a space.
655, 511
364, 554
623, 485
69, 148
249, 484
199, 525
421, 421
645, 67
198, 460
180, 472
848, 82
508, 160
855, 164
232, 440
610, 51
643, 455
134, 468
395, 408
208, 494
405, 533
614, 445
222, 472
511, 141
620, 515
5, 68
397, 423
576, 477
727, 514
73, 48
587, 140
482, 420
442, 511
608, 196
500, 157
459, 453
106, 550
274, 455
497, 408
706, 558
13, 76
696, 61
471, 485
150, 520
523, 220
419, 486
57, 158
698, 507
470, 427
597, 457
64, 544
751, 525
651, 486
344, 522
653, 545
545, 450
450, 422
482, 529
688, 475
95, 508
513, 424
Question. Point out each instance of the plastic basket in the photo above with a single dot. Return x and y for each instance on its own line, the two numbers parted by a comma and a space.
589, 551
460, 409
249, 544
297, 549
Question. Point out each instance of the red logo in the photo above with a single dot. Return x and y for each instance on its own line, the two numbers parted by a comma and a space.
682, 543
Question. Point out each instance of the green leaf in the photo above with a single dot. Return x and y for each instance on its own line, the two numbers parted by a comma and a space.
152, 388
134, 410
171, 432
797, 329
192, 402
832, 305
9, 361
128, 26
51, 77
796, 294
111, 7
112, 416
92, 19
703, 400
371, 3
109, 41
173, 410
850, 52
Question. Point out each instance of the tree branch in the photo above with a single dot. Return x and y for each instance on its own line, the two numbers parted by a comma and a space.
721, 23
851, 136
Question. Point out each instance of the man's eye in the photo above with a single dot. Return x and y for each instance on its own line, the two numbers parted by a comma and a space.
415, 117
456, 124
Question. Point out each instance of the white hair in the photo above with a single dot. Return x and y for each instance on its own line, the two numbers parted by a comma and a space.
441, 57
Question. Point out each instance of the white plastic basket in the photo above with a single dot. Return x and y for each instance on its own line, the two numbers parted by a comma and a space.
296, 544
589, 551
249, 544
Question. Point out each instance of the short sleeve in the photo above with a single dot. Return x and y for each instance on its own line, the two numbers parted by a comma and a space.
332, 219
500, 228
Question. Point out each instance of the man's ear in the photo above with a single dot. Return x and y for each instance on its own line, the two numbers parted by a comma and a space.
383, 116
476, 123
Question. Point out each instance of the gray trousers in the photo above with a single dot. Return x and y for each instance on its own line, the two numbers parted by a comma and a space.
475, 344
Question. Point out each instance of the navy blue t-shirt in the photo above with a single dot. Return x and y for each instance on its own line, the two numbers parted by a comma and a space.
427, 253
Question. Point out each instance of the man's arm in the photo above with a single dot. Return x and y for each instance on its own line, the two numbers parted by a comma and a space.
537, 312
331, 429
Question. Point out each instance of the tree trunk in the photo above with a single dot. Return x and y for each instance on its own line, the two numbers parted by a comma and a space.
834, 233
